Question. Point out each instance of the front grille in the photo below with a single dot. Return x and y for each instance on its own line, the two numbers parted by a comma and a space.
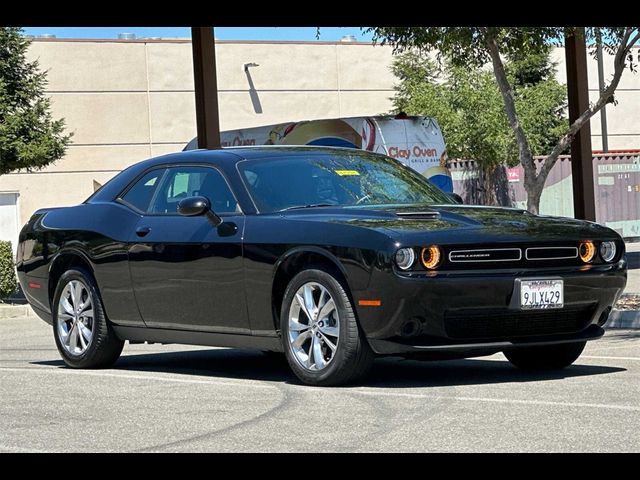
551, 253
504, 323
510, 256
485, 255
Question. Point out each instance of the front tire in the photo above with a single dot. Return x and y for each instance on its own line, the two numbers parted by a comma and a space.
83, 335
549, 357
322, 341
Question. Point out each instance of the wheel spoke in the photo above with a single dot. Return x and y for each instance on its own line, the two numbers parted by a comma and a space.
310, 354
328, 342
67, 335
84, 305
78, 298
88, 313
330, 331
83, 342
72, 291
329, 307
295, 326
66, 306
303, 306
72, 338
85, 333
308, 299
63, 332
297, 343
325, 296
65, 317
317, 353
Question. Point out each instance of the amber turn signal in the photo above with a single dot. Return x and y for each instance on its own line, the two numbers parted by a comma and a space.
369, 303
431, 256
587, 251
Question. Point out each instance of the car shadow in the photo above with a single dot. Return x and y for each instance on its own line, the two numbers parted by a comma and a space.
400, 373
386, 373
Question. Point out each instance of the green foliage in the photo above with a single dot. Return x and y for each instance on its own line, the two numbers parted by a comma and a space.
8, 282
467, 103
477, 47
541, 101
29, 137
467, 46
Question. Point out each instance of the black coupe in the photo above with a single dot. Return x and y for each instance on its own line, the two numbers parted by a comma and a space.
330, 255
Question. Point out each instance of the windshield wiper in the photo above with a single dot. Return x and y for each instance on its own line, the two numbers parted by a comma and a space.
311, 205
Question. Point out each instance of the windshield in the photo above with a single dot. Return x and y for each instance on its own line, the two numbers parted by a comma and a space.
343, 179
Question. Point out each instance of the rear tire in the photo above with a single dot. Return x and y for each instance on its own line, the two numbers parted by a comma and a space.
339, 352
549, 357
82, 332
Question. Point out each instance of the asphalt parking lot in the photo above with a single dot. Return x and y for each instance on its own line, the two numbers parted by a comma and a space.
180, 398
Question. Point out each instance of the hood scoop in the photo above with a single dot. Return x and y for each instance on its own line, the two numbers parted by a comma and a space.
419, 214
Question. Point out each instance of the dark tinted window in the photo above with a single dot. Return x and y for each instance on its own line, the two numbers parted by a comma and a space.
141, 193
183, 182
345, 179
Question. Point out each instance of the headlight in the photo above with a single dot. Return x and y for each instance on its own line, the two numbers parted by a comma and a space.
431, 256
405, 258
587, 251
608, 251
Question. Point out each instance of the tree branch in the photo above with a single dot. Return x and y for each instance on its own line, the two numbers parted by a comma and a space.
605, 97
634, 40
524, 149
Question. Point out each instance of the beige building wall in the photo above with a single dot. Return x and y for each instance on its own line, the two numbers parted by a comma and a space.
127, 100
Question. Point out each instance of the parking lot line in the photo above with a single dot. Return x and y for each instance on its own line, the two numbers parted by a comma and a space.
611, 347
629, 408
11, 449
368, 392
609, 358
68, 371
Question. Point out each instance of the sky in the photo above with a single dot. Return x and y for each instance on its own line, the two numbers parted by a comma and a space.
221, 33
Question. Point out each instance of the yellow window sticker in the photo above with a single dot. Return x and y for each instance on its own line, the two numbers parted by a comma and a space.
347, 173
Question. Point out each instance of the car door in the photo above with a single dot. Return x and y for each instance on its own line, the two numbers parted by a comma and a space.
186, 272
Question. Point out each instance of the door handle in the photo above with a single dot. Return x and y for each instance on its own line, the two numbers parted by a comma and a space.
142, 231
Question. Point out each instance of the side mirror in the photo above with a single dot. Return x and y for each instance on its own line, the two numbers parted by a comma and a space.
194, 206
456, 198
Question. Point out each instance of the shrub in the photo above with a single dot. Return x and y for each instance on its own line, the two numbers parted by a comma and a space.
8, 282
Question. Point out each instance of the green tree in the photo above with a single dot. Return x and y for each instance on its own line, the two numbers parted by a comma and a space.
8, 282
479, 46
468, 106
29, 137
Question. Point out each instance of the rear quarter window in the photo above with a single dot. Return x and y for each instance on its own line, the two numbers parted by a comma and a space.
141, 193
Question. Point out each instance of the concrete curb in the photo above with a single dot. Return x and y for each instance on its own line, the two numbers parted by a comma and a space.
15, 311
623, 319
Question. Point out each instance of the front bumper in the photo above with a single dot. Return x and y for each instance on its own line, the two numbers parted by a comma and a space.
462, 350
473, 311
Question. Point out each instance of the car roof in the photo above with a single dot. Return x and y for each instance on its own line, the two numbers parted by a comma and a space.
270, 151
225, 158
235, 154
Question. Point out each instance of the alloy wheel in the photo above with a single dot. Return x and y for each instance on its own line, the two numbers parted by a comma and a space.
314, 326
75, 317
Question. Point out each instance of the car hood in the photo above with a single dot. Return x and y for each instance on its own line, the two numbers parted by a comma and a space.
460, 224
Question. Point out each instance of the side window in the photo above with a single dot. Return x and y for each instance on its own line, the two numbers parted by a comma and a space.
140, 195
183, 182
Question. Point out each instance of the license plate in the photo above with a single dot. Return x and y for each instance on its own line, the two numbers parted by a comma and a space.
540, 294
